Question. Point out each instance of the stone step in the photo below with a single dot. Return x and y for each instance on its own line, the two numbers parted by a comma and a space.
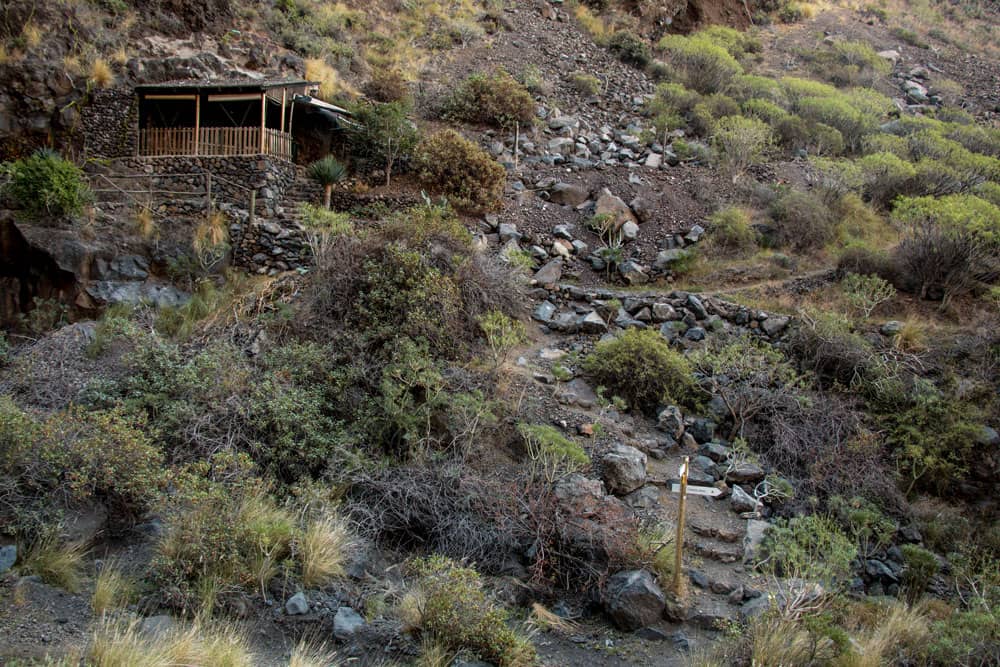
723, 553
723, 533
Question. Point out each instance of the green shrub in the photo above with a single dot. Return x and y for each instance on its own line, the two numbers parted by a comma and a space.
640, 367
988, 191
796, 89
849, 63
740, 143
933, 442
731, 233
737, 43
382, 137
804, 222
46, 185
503, 334
886, 177
764, 110
866, 292
584, 83
809, 547
630, 48
825, 140
909, 36
948, 242
863, 259
454, 166
456, 611
701, 64
387, 85
965, 638
921, 566
74, 456
869, 528
748, 87
495, 99
217, 537
550, 452
836, 112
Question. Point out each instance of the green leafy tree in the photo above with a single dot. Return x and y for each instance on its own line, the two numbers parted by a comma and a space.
384, 136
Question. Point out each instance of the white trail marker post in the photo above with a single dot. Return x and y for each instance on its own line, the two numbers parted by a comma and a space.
678, 556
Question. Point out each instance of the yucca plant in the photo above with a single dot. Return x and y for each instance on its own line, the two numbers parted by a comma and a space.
327, 171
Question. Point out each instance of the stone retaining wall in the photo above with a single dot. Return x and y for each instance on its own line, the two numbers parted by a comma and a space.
109, 121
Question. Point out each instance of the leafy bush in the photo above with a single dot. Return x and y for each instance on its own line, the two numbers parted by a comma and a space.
965, 638
933, 442
764, 110
849, 63
382, 138
702, 65
454, 609
218, 537
740, 143
492, 99
730, 231
866, 292
803, 220
747, 87
46, 185
738, 43
838, 113
84, 456
630, 48
503, 334
551, 453
885, 176
640, 367
387, 85
921, 566
809, 547
584, 83
457, 168
948, 243
862, 259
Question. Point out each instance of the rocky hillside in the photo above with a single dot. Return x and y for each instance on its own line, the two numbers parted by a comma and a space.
577, 252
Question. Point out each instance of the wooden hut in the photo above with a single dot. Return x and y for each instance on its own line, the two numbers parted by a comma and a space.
222, 118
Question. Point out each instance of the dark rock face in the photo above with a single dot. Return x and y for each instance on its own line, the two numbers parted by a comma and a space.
28, 272
633, 600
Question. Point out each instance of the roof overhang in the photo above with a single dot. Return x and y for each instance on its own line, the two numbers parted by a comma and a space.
232, 87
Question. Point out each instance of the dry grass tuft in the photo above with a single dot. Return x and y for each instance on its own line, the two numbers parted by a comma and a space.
145, 224
324, 548
112, 590
543, 619
101, 75
331, 84
903, 628
307, 654
912, 337
31, 34
57, 563
434, 654
411, 609
117, 644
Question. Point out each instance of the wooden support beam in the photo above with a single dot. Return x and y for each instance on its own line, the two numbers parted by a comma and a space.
170, 97
197, 122
263, 119
284, 100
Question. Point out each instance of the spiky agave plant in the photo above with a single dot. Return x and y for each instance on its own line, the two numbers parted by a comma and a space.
327, 171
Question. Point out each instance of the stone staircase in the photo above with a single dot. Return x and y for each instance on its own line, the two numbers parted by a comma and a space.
303, 190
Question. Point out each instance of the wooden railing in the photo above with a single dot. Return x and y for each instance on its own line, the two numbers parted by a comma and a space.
161, 141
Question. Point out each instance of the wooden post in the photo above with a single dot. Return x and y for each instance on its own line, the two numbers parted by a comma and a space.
678, 556
284, 99
253, 205
263, 118
197, 121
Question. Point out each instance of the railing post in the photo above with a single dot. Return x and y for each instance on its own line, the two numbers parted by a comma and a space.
253, 206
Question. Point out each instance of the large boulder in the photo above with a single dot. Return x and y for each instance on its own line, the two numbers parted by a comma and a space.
633, 600
550, 273
624, 469
596, 524
568, 194
614, 206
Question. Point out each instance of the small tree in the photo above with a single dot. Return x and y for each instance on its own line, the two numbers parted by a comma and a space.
740, 142
866, 293
327, 171
45, 184
503, 334
384, 136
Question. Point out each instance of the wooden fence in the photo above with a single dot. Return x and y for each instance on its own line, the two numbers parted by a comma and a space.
162, 141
